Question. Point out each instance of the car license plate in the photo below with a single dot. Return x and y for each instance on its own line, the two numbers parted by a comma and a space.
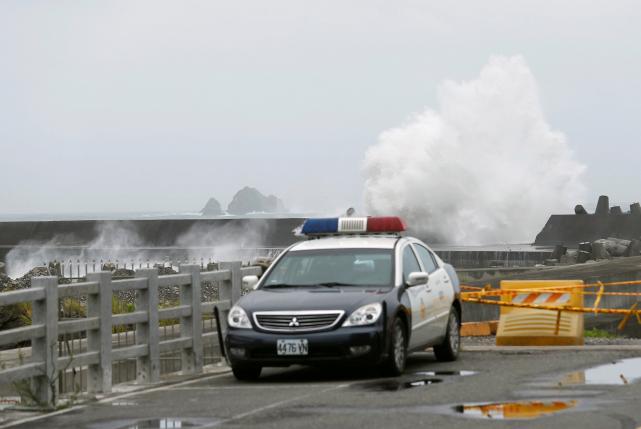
292, 347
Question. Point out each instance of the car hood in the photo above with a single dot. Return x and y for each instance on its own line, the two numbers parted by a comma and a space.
286, 299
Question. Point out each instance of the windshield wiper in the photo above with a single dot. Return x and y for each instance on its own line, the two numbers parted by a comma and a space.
332, 284
325, 284
279, 285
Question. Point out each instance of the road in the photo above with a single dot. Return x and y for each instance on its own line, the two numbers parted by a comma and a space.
350, 398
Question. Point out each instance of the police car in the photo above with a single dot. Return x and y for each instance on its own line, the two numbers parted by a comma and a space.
357, 291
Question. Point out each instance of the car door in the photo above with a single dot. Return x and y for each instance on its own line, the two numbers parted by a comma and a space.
420, 297
442, 292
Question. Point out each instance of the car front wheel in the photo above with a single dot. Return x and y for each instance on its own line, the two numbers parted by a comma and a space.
449, 349
245, 372
397, 354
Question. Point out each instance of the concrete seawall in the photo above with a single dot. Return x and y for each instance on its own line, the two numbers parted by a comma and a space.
573, 229
267, 232
151, 233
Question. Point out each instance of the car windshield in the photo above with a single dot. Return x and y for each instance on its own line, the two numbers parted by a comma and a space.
332, 267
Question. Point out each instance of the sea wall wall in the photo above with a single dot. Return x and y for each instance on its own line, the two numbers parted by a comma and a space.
150, 233
165, 233
570, 230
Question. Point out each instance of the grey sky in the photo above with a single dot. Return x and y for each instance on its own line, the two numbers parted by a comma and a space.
155, 106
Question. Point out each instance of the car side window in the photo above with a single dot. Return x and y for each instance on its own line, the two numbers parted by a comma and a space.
426, 258
410, 264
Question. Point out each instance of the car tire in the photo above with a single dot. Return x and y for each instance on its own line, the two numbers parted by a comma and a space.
449, 349
397, 352
246, 372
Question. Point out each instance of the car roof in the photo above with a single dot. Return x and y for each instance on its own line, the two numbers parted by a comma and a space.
347, 242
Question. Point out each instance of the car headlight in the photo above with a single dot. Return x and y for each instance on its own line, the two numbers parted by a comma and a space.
365, 315
237, 318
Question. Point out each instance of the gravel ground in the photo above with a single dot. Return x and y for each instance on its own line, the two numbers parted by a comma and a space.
589, 341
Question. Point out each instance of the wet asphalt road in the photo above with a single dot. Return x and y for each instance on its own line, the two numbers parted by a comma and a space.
319, 398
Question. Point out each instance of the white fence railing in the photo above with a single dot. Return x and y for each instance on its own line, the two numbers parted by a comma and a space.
47, 329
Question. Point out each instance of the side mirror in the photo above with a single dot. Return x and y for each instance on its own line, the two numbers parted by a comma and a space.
250, 282
417, 278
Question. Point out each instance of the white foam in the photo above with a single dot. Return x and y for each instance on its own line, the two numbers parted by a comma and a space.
484, 167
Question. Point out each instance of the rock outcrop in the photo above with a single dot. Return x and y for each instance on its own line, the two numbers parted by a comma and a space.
603, 248
212, 208
250, 200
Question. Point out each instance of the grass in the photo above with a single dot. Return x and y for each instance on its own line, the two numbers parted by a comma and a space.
168, 322
598, 333
73, 308
119, 306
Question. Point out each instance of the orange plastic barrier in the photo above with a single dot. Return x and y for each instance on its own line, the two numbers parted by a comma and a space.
479, 329
538, 327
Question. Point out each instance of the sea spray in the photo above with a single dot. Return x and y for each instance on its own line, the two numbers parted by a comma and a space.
113, 241
484, 167
120, 241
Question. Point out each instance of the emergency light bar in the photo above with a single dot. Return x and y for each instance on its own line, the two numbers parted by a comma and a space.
354, 225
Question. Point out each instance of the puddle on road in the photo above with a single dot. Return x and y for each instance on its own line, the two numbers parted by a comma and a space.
423, 382
395, 385
124, 404
515, 410
616, 373
417, 379
445, 373
156, 423
161, 424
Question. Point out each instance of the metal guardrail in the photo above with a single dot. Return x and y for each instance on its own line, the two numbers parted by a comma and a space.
97, 354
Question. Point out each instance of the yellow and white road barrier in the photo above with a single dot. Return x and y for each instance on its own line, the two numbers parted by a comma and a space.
537, 327
536, 312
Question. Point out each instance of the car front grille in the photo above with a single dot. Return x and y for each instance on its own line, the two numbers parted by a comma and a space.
296, 321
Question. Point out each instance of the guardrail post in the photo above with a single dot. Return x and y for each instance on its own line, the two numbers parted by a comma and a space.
99, 340
235, 282
191, 326
148, 367
45, 312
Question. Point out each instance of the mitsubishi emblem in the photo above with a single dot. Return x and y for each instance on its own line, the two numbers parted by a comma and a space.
294, 323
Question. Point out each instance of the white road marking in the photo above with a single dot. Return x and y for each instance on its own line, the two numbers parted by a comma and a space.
179, 386
160, 388
261, 386
112, 399
273, 405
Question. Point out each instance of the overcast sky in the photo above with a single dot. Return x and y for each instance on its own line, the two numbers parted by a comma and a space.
156, 106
